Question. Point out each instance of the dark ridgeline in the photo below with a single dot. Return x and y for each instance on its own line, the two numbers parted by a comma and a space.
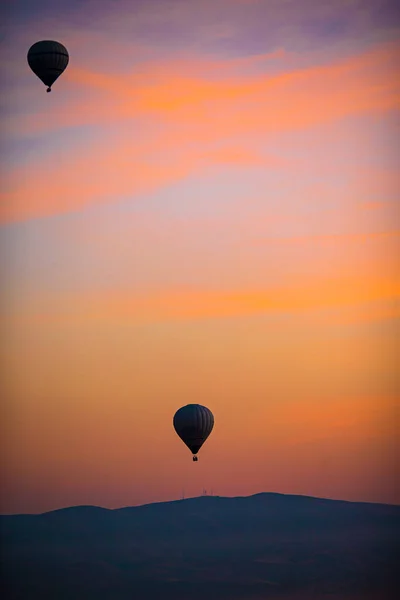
267, 546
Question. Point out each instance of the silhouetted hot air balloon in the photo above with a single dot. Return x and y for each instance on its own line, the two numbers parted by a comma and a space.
193, 423
48, 60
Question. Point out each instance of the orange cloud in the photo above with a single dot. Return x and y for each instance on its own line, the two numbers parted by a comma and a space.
99, 177
186, 304
191, 112
295, 99
96, 175
351, 238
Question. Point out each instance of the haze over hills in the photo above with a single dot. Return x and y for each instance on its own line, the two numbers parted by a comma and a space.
263, 546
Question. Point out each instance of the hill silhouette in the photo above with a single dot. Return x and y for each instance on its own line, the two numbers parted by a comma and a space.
266, 546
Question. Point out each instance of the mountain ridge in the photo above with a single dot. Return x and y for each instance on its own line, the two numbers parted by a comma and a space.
268, 545
201, 497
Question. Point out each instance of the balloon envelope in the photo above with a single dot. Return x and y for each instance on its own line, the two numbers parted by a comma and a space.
48, 59
193, 423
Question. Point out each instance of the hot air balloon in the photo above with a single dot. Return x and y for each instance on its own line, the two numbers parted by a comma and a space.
48, 60
193, 423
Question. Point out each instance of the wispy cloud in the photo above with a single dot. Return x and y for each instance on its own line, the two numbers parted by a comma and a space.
185, 108
349, 238
181, 304
298, 98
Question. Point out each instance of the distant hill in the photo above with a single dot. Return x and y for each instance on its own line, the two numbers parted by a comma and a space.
267, 546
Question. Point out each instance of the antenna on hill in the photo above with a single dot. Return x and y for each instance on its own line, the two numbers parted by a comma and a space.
183, 495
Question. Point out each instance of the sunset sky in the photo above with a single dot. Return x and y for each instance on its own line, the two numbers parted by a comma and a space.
204, 209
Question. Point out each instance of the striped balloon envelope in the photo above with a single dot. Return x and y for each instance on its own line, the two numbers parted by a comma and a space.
193, 423
48, 60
